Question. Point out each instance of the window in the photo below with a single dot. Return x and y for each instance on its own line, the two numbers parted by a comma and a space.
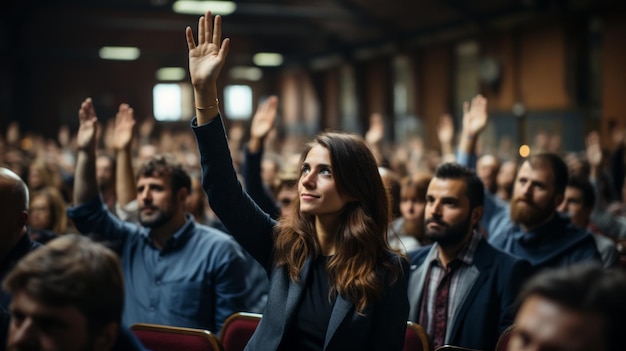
238, 104
172, 101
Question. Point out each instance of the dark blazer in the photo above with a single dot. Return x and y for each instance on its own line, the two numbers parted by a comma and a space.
492, 284
382, 325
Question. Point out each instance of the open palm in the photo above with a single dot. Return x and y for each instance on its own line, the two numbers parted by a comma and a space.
207, 57
124, 123
88, 125
263, 120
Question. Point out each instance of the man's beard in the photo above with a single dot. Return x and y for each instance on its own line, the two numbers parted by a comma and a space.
450, 235
528, 213
156, 219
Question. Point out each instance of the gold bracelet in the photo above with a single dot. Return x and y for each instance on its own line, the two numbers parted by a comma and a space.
217, 102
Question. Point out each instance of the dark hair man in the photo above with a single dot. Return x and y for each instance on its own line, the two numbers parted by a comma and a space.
176, 272
68, 295
461, 289
577, 308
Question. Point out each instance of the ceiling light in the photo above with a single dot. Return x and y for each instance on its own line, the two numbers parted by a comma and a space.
191, 7
268, 59
171, 74
119, 53
246, 73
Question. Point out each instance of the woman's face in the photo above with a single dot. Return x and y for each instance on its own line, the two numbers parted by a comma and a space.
40, 214
317, 188
35, 181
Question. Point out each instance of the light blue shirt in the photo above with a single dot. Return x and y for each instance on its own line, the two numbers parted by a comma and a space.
197, 280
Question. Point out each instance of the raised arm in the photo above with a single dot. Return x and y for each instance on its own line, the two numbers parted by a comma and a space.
85, 186
374, 136
474, 122
125, 189
206, 59
445, 134
219, 180
261, 125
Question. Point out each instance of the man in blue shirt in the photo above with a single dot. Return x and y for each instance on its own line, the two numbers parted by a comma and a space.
531, 227
176, 271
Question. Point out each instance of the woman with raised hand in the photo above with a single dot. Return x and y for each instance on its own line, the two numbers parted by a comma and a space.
335, 282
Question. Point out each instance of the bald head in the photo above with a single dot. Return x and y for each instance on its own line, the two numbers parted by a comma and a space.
13, 190
14, 213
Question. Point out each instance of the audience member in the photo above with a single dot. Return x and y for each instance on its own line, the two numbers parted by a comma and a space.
530, 227
505, 180
47, 217
176, 271
68, 295
577, 308
335, 282
487, 168
461, 289
577, 204
14, 242
407, 232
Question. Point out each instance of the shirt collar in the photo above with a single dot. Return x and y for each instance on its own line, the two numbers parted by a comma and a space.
179, 236
466, 255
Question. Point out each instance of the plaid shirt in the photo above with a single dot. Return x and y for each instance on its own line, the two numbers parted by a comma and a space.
435, 273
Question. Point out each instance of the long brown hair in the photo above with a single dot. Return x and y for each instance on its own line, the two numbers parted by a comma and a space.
362, 249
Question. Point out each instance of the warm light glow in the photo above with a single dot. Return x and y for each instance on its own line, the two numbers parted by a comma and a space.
119, 53
246, 73
191, 7
524, 150
268, 59
170, 74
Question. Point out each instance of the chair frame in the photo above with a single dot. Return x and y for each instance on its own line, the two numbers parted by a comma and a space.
504, 338
210, 337
238, 316
421, 333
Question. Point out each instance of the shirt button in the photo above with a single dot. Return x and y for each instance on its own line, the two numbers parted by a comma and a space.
152, 308
158, 282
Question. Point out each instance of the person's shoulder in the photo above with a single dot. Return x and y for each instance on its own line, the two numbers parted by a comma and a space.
498, 256
417, 256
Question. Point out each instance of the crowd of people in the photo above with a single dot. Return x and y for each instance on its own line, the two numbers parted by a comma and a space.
338, 247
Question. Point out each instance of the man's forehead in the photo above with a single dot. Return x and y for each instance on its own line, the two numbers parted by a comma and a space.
447, 186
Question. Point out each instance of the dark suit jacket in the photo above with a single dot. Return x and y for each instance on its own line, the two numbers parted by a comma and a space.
491, 286
383, 324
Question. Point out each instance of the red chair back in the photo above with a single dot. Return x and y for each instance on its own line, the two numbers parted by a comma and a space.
165, 338
415, 338
238, 329
503, 340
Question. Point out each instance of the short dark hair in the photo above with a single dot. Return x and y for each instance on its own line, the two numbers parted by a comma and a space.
73, 270
475, 189
166, 165
584, 185
558, 166
586, 287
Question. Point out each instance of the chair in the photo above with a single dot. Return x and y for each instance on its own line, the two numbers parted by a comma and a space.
415, 338
503, 340
165, 338
237, 330
453, 348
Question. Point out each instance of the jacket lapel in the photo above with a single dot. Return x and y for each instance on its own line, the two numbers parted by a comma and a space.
416, 286
340, 311
295, 292
469, 287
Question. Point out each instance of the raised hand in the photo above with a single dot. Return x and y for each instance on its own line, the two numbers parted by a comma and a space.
376, 132
207, 56
475, 115
445, 129
593, 150
263, 120
86, 137
123, 131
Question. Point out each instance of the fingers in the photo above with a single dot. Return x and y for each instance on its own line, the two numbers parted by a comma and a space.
201, 30
217, 29
86, 111
191, 43
465, 107
224, 50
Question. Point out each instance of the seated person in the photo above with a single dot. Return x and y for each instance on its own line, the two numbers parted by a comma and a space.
177, 272
68, 295
578, 308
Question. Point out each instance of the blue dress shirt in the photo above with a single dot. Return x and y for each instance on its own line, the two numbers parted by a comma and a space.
197, 280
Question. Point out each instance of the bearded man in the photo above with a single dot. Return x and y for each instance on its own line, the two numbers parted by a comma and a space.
461, 290
536, 231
